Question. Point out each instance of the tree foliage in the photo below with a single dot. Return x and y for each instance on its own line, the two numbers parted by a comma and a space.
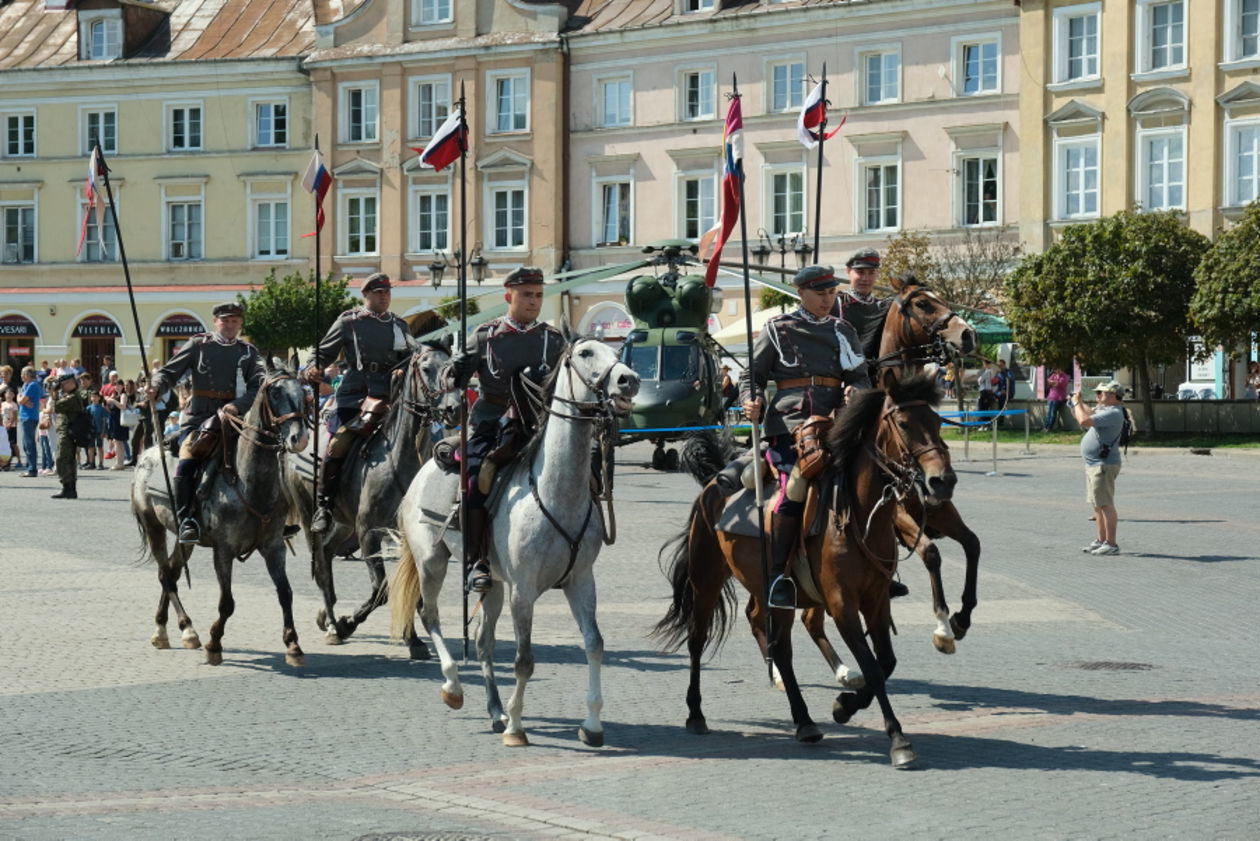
966, 269
770, 297
1225, 307
280, 316
1112, 293
448, 307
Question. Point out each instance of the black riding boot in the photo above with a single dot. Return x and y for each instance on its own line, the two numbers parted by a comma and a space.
787, 532
185, 497
896, 589
68, 491
479, 580
329, 473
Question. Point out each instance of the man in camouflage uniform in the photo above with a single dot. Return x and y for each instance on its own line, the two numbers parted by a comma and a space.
373, 341
860, 306
496, 351
227, 373
71, 402
813, 358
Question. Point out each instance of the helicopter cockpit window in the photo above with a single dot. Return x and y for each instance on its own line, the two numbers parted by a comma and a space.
680, 362
641, 359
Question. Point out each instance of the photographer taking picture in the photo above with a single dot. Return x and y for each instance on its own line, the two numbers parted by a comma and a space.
1100, 448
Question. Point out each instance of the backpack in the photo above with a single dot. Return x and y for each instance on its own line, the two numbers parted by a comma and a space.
1128, 430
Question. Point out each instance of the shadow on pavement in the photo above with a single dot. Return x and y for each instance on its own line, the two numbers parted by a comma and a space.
1198, 559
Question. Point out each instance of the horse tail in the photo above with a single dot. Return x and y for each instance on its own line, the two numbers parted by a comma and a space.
404, 592
703, 454
695, 558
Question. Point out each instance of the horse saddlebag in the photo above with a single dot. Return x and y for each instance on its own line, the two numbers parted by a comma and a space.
371, 413
446, 454
811, 449
206, 438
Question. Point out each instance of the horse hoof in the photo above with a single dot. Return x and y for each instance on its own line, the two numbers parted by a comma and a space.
331, 637
452, 700
850, 679
808, 733
697, 726
839, 713
296, 660
959, 629
418, 650
594, 738
498, 725
160, 641
515, 740
214, 658
321, 619
945, 645
903, 757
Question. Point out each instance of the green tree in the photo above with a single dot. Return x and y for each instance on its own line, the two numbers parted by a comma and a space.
966, 269
1113, 293
448, 308
280, 316
771, 297
909, 252
1226, 303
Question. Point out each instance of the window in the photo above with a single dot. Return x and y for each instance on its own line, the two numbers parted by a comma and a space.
508, 218
360, 223
1244, 163
1077, 176
100, 242
614, 102
979, 190
183, 221
699, 205
434, 11
431, 103
882, 196
19, 135
1162, 178
614, 214
271, 124
271, 229
511, 102
1161, 32
102, 127
881, 77
689, 6
185, 122
104, 38
787, 202
431, 211
978, 68
787, 86
358, 113
18, 244
1076, 42
697, 95
1242, 30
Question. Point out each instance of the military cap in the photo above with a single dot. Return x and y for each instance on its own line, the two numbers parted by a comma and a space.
816, 278
376, 281
229, 308
523, 275
866, 258
67, 378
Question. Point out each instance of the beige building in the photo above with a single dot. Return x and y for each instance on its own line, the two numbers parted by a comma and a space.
203, 114
931, 140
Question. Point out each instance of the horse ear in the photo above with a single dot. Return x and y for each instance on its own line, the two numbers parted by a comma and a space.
897, 282
888, 379
294, 362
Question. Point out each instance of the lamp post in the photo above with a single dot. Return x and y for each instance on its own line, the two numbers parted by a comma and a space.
478, 264
761, 251
803, 250
437, 268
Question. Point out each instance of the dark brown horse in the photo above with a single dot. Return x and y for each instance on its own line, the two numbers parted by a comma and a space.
883, 444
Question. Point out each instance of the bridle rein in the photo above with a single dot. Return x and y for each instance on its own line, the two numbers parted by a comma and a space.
935, 349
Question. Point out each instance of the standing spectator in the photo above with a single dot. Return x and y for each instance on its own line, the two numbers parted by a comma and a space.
100, 418
43, 372
985, 383
1056, 396
142, 433
6, 374
951, 378
9, 419
29, 400
1100, 448
44, 432
70, 405
107, 365
1253, 379
1003, 388
115, 402
111, 385
730, 391
77, 367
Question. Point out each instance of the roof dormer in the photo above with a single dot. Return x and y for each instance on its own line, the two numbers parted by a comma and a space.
100, 34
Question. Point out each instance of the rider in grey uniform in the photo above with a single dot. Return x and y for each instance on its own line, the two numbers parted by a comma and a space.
226, 375
860, 306
373, 341
496, 351
813, 358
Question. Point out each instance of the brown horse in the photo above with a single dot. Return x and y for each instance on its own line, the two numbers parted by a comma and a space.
883, 445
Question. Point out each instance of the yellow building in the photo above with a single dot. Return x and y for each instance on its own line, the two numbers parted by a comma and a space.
203, 114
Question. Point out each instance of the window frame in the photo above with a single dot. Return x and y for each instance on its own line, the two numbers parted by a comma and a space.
1232, 127
1232, 37
417, 190
681, 81
863, 55
695, 7
169, 110
1059, 175
20, 113
770, 173
414, 105
418, 18
168, 203
254, 122
89, 18
961, 156
506, 186
1141, 181
493, 78
1144, 41
344, 125
680, 192
1061, 22
959, 51
344, 196
86, 113
31, 204
81, 207
599, 222
860, 195
601, 99
794, 101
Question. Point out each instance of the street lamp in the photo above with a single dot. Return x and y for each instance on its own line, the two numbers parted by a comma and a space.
761, 251
478, 264
437, 268
803, 250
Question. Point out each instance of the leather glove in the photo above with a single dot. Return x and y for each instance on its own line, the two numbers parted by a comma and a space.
464, 365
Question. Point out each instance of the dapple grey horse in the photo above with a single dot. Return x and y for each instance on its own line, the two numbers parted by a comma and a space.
546, 531
240, 513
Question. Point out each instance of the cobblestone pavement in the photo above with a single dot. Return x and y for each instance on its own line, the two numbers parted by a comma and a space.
1112, 697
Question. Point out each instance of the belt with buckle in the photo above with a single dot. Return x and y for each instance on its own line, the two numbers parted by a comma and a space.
803, 382
495, 400
217, 395
374, 367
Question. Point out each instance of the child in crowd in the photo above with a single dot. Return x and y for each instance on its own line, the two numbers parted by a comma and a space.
46, 421
9, 419
96, 453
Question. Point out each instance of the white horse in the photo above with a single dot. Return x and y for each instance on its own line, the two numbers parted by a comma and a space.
547, 529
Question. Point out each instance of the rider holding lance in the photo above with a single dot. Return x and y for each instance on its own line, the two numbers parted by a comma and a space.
814, 360
860, 306
374, 341
226, 375
497, 350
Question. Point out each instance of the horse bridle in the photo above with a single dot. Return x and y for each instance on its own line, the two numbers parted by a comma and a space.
270, 421
426, 410
935, 349
584, 410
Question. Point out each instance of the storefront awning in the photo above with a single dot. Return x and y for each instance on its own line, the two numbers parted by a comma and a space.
16, 326
97, 327
990, 329
180, 325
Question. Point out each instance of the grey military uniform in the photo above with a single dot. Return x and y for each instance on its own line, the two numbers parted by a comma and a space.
796, 346
502, 348
372, 346
222, 373
867, 319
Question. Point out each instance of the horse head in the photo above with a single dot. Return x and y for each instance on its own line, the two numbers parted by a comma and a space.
423, 391
593, 377
921, 325
282, 408
910, 433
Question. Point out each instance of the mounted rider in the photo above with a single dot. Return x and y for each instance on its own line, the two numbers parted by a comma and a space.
496, 351
813, 357
860, 306
227, 373
373, 341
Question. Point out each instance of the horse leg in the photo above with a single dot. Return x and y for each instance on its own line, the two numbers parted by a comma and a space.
901, 751
491, 609
758, 626
960, 622
284, 592
223, 561
814, 619
581, 595
781, 652
155, 537
523, 622
321, 569
943, 635
875, 669
370, 546
188, 634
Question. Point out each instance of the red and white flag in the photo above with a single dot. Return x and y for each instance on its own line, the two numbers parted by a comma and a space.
95, 201
448, 143
732, 177
813, 113
316, 181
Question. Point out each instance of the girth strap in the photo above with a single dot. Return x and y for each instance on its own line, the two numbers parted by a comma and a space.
574, 543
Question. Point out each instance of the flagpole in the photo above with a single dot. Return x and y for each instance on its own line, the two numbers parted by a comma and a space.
315, 459
103, 171
822, 138
463, 346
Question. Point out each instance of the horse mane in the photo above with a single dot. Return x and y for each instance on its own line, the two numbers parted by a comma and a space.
861, 413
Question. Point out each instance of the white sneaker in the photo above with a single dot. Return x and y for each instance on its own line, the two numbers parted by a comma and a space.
1106, 549
1096, 544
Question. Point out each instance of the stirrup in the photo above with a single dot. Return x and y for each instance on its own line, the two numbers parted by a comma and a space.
782, 593
189, 531
322, 520
479, 580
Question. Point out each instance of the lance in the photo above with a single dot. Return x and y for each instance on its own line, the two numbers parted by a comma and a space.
463, 346
103, 171
315, 324
822, 138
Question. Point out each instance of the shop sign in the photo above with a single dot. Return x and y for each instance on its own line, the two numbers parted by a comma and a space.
18, 350
17, 325
180, 325
97, 326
